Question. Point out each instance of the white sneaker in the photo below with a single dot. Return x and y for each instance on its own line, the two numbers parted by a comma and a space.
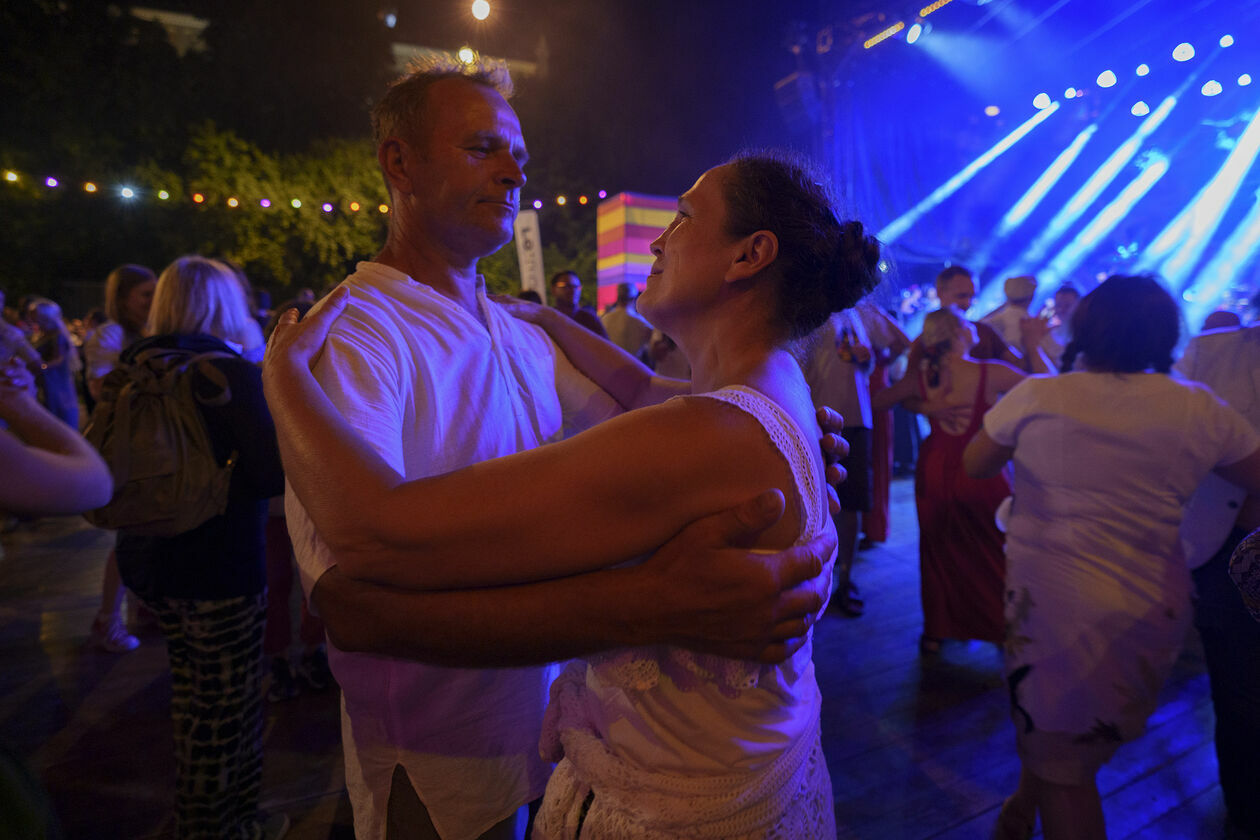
109, 635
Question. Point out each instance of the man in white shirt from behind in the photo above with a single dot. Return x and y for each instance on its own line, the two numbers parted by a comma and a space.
436, 377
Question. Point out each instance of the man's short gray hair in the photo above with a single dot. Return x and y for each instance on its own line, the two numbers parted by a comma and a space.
400, 112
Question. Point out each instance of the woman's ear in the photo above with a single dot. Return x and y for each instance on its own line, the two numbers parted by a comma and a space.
756, 252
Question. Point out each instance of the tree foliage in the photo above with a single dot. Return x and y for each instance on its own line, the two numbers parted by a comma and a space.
275, 108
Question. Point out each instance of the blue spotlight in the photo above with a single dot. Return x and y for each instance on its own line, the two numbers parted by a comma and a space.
1211, 87
913, 33
1143, 69
1244, 80
1105, 222
1227, 40
1180, 245
1183, 52
1089, 192
1106, 79
1041, 101
1140, 109
903, 223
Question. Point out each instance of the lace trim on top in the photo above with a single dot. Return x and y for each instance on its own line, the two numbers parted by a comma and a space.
640, 669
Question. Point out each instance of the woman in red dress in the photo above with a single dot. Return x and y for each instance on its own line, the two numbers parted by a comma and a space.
961, 561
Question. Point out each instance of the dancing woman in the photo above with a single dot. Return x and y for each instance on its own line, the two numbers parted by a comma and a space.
961, 566
1097, 589
658, 742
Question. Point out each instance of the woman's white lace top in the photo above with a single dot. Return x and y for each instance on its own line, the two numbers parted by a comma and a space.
677, 743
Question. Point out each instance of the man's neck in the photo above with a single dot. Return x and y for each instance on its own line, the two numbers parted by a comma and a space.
441, 273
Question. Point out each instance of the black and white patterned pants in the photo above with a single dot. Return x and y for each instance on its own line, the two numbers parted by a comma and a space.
215, 650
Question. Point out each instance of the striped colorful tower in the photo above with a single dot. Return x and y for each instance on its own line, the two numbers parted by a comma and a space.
625, 226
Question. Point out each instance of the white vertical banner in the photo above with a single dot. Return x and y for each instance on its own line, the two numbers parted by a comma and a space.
529, 252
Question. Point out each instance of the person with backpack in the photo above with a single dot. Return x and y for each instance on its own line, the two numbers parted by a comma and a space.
205, 580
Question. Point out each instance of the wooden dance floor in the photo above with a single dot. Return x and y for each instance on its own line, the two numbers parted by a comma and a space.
916, 748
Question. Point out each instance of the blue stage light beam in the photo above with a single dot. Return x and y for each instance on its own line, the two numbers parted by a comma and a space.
1062, 266
1089, 192
1181, 243
1033, 196
892, 231
1232, 259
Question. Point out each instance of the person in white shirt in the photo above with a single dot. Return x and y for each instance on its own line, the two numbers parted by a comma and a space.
434, 377
1005, 319
626, 327
1217, 518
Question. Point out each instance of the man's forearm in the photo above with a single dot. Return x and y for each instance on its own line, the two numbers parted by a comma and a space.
500, 627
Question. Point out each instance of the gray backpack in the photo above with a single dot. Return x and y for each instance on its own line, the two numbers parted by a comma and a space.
149, 429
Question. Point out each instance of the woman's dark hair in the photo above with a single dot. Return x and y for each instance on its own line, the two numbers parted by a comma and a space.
1127, 325
824, 264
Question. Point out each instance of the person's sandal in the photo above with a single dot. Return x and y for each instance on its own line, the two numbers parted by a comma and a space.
849, 603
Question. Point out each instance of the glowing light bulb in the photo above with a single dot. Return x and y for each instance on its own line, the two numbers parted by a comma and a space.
10, 176
582, 199
603, 193
1244, 80
1211, 87
537, 203
384, 208
992, 110
264, 202
233, 202
561, 200
1106, 79
1143, 69
480, 9
1041, 101
466, 55
127, 192
1227, 40
198, 198
296, 203
327, 208
354, 207
1183, 52
1140, 109
163, 195
51, 182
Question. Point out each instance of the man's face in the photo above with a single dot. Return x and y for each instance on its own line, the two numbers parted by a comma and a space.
567, 291
958, 291
465, 170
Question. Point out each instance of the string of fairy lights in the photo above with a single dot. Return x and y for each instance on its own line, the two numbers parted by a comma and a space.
131, 193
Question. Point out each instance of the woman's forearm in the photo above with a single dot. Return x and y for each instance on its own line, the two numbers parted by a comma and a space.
630, 382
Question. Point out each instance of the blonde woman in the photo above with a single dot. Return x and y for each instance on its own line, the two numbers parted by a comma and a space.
208, 585
961, 565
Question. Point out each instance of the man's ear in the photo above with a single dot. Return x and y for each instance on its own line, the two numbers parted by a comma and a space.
756, 252
393, 156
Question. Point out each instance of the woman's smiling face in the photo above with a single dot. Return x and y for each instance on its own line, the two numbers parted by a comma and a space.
692, 254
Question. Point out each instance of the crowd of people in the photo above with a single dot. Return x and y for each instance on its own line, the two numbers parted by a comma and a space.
1079, 484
